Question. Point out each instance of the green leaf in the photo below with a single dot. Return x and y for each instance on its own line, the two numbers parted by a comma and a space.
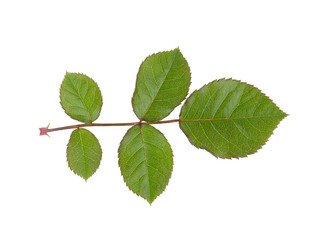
80, 97
84, 153
228, 118
162, 84
146, 161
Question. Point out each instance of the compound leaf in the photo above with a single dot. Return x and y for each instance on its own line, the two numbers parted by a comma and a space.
146, 161
84, 153
162, 84
80, 97
229, 118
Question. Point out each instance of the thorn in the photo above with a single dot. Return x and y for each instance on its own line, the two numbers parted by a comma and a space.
44, 131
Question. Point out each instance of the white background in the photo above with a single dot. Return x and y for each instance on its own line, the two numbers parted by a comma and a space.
269, 195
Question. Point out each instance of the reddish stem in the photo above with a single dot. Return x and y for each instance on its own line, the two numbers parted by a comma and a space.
44, 131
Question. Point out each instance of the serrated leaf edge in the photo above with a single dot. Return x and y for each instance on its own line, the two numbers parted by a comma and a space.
85, 178
230, 158
80, 97
152, 200
179, 52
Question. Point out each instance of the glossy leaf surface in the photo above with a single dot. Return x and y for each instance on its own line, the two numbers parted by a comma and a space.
162, 84
80, 97
229, 118
84, 153
146, 161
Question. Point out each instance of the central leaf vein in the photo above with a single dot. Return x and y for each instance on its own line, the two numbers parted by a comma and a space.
146, 160
159, 87
82, 100
83, 153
